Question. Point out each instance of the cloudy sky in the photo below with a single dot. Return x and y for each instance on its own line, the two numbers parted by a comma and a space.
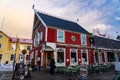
92, 14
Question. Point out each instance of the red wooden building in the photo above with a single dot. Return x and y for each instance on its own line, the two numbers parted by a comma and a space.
65, 41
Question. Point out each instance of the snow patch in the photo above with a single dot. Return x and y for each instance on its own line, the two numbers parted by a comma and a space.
6, 67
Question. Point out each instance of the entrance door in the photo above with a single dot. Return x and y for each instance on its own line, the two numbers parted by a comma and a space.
47, 56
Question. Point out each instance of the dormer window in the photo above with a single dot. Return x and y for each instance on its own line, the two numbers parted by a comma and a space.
60, 36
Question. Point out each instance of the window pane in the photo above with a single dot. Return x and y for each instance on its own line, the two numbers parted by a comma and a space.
83, 39
60, 56
60, 36
84, 56
28, 47
73, 56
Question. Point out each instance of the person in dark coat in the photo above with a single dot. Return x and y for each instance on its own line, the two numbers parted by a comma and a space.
52, 67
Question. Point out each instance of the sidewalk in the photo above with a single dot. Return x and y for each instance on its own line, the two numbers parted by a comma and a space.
7, 76
109, 75
44, 75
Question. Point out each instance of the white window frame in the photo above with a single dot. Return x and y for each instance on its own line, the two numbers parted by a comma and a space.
63, 36
75, 63
82, 39
61, 64
86, 55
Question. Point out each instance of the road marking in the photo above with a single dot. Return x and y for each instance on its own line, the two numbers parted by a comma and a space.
2, 77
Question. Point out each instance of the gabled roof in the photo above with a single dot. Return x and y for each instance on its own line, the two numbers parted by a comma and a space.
56, 22
4, 34
106, 43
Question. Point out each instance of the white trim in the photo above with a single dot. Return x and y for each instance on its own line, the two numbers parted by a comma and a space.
86, 55
46, 33
43, 24
52, 45
63, 35
61, 64
71, 45
75, 63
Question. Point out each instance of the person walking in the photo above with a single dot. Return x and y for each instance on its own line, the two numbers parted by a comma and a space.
52, 67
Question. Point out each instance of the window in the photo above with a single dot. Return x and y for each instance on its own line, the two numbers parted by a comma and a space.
0, 56
83, 39
27, 57
0, 46
12, 57
60, 36
21, 47
84, 56
60, 56
38, 37
73, 57
20, 57
28, 47
0, 36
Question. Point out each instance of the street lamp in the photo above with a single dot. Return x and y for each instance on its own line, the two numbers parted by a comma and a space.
24, 52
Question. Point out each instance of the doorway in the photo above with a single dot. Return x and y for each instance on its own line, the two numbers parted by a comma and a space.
47, 56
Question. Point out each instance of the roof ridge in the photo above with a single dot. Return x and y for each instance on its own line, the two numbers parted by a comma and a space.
52, 15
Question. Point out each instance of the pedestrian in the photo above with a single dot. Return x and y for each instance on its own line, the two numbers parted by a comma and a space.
52, 67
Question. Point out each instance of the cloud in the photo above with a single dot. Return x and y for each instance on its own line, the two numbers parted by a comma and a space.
117, 18
91, 14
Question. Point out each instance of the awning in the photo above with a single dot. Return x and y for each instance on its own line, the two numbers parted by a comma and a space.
48, 48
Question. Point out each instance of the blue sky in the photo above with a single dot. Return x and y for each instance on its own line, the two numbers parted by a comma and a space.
92, 14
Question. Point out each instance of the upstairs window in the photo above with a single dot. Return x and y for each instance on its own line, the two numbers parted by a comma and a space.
28, 47
60, 36
83, 39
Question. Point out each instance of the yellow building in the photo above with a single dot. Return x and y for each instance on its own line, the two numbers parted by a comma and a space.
11, 46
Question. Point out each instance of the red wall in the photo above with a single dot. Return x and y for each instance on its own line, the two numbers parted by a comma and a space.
52, 35
67, 56
68, 39
79, 57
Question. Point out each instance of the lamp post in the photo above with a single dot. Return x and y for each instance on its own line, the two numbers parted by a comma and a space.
17, 40
24, 52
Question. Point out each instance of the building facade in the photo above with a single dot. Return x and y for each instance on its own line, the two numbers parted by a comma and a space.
10, 46
106, 50
65, 41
